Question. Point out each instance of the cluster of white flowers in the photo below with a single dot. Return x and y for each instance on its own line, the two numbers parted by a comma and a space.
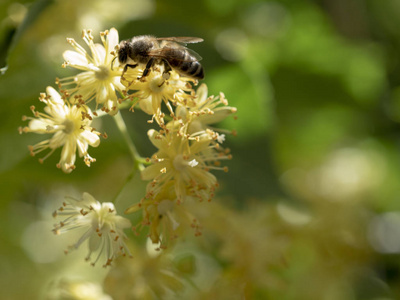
188, 147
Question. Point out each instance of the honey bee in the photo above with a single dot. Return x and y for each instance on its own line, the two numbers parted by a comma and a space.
170, 51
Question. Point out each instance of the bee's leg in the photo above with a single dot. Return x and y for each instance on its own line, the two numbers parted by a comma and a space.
129, 66
148, 66
125, 69
167, 70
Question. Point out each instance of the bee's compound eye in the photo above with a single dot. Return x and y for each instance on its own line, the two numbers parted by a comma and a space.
122, 55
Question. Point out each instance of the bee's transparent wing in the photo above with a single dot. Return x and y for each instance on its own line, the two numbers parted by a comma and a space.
182, 39
171, 51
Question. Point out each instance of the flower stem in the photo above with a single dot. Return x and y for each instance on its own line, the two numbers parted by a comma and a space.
137, 159
127, 180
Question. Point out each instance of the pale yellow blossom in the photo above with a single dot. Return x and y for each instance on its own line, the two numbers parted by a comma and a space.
199, 119
155, 88
184, 162
99, 79
102, 227
70, 126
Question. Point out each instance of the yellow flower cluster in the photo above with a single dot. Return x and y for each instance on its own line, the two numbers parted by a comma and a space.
188, 147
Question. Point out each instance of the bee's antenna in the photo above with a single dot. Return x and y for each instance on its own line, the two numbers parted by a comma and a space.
112, 63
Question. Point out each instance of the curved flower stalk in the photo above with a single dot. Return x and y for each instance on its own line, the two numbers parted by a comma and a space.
99, 79
154, 89
185, 163
102, 227
166, 219
70, 126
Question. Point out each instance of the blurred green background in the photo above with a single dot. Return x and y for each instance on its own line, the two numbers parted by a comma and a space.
317, 87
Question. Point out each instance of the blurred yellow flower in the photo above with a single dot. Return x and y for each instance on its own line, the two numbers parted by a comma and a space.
166, 219
147, 278
75, 289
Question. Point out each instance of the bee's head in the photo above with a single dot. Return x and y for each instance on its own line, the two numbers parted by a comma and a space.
135, 49
123, 52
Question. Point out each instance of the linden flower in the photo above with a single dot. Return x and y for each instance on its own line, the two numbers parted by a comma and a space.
75, 289
99, 79
146, 278
70, 126
101, 224
185, 163
165, 218
156, 88
197, 120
